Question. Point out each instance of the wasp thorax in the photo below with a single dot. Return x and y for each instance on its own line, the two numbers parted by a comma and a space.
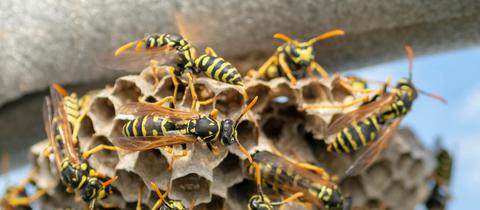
172, 205
335, 201
227, 132
407, 86
94, 190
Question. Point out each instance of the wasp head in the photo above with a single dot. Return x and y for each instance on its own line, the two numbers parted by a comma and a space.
259, 202
95, 189
407, 86
227, 132
300, 53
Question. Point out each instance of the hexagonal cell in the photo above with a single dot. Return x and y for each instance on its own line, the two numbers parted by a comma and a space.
166, 88
248, 133
263, 92
395, 194
227, 173
203, 94
103, 110
129, 184
239, 194
352, 186
152, 166
229, 101
104, 160
339, 92
379, 175
416, 170
315, 92
404, 163
86, 128
284, 89
273, 127
217, 203
191, 186
126, 91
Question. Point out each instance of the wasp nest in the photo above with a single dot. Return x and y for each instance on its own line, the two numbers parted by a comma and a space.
397, 180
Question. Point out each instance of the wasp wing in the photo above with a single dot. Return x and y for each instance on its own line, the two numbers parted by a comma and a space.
140, 109
136, 59
142, 143
370, 155
358, 114
56, 94
47, 122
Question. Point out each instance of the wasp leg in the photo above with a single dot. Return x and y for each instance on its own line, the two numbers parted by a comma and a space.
47, 150
203, 103
213, 148
175, 82
139, 197
154, 70
192, 92
178, 156
289, 199
210, 51
316, 169
158, 103
263, 70
124, 47
78, 122
214, 114
344, 105
99, 148
160, 195
110, 206
27, 200
286, 69
315, 66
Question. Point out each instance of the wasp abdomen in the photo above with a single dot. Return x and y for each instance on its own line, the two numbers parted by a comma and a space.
219, 69
355, 136
148, 126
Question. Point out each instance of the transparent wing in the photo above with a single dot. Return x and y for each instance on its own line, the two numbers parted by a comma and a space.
140, 109
371, 153
47, 122
56, 95
358, 114
151, 142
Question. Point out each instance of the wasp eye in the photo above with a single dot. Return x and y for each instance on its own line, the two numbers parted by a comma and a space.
294, 51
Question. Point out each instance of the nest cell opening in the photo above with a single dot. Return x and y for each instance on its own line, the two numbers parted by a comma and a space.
229, 165
166, 88
191, 186
248, 133
86, 128
103, 109
107, 158
129, 184
315, 92
126, 91
229, 101
339, 92
262, 91
273, 127
416, 169
380, 174
152, 166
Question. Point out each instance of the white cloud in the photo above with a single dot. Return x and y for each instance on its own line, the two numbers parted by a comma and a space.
471, 105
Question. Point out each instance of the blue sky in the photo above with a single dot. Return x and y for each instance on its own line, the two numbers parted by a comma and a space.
454, 75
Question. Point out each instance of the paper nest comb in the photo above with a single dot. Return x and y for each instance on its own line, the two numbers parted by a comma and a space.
398, 179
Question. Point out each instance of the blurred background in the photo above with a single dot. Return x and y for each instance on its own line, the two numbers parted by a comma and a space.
42, 42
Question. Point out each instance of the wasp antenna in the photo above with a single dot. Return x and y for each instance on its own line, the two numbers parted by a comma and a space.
250, 105
326, 36
59, 89
410, 56
283, 37
157, 191
434, 96
110, 181
124, 47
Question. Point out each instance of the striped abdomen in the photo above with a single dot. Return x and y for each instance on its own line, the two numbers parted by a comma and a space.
219, 69
179, 43
148, 126
398, 108
72, 108
355, 136
444, 168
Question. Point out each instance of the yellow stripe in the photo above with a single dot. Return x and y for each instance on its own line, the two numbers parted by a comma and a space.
234, 78
197, 61
210, 68
220, 70
162, 126
205, 60
350, 138
154, 132
359, 132
328, 194
125, 128
375, 123
322, 191
144, 130
134, 127
341, 141
335, 145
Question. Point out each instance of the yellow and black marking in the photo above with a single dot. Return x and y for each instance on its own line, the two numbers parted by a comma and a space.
285, 176
185, 51
148, 126
355, 136
219, 69
443, 172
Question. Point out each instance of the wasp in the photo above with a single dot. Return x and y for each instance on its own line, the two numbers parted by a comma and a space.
210, 64
261, 201
374, 123
156, 126
16, 197
289, 177
73, 168
440, 193
293, 58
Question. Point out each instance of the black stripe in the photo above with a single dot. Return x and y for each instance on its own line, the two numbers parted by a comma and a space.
230, 76
216, 67
209, 63
356, 135
350, 129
